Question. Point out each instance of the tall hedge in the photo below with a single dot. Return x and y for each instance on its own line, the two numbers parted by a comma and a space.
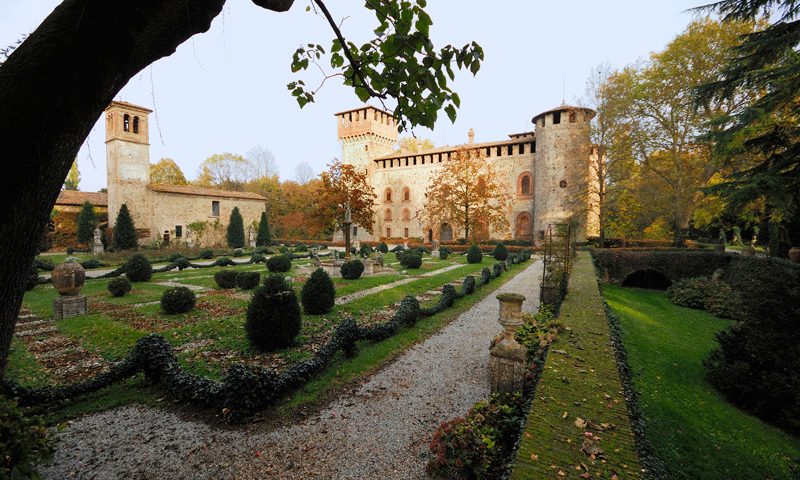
86, 223
235, 229
318, 293
264, 236
124, 230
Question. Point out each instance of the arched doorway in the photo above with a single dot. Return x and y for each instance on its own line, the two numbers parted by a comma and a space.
446, 233
522, 229
648, 278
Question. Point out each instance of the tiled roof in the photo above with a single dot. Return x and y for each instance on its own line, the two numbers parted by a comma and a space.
202, 191
74, 197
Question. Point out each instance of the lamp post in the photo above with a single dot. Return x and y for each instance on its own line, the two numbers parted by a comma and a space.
348, 220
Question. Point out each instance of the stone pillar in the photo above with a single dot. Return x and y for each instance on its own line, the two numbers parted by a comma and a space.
68, 279
507, 357
97, 244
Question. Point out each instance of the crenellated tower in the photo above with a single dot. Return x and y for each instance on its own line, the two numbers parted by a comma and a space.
366, 133
562, 170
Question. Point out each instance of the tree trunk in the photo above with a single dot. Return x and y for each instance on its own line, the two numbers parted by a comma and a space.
53, 89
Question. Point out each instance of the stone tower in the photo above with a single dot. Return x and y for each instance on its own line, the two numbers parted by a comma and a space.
366, 133
562, 170
128, 162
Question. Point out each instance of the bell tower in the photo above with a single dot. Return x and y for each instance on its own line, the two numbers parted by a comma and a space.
128, 162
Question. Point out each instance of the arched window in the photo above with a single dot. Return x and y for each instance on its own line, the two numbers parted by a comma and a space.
387, 215
522, 227
387, 196
406, 214
126, 122
135, 124
406, 194
525, 184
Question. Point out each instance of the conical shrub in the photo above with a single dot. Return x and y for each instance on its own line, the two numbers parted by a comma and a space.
273, 317
318, 293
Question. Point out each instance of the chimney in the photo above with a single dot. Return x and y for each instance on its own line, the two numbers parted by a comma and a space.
471, 135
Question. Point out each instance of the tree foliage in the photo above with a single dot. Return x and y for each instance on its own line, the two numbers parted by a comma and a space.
342, 185
167, 172
73, 177
235, 232
412, 145
228, 171
467, 192
264, 236
87, 221
124, 230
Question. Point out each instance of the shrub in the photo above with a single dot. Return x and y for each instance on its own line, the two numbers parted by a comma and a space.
474, 254
318, 293
444, 252
264, 236
397, 248
25, 441
279, 264
182, 263
273, 317
301, 248
177, 300
423, 250
235, 232
174, 256
91, 263
226, 278
238, 252
383, 248
258, 258
247, 280
262, 250
500, 252
124, 230
352, 270
364, 250
119, 286
688, 292
399, 255
138, 268
86, 222
715, 296
411, 260
206, 253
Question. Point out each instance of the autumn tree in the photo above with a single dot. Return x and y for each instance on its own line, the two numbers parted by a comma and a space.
44, 123
293, 216
167, 172
412, 144
228, 171
466, 192
341, 185
73, 177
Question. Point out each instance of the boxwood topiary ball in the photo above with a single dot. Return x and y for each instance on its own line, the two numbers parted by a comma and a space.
177, 300
500, 251
352, 270
412, 260
474, 254
206, 253
119, 286
138, 268
226, 278
248, 280
318, 293
279, 264
273, 317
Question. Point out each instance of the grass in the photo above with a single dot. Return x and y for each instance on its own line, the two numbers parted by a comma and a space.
692, 428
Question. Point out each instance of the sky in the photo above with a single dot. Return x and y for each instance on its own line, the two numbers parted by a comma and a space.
225, 90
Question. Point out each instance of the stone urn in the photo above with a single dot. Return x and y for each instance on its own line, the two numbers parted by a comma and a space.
507, 356
794, 254
511, 312
68, 277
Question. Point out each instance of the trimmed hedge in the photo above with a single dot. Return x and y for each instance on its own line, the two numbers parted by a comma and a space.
177, 300
25, 439
474, 254
273, 316
382, 247
715, 296
248, 280
318, 293
119, 286
138, 268
226, 278
411, 260
352, 270
207, 253
279, 264
500, 252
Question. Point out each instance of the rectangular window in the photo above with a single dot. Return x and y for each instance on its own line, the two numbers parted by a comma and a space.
510, 150
215, 208
388, 232
556, 118
355, 231
405, 233
521, 148
178, 231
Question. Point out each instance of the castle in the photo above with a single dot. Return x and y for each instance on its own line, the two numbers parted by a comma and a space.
548, 172
164, 213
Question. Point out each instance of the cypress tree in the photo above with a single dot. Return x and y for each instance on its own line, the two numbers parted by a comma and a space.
264, 237
124, 230
236, 229
86, 223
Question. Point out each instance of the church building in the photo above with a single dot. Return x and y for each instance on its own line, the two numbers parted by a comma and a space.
548, 172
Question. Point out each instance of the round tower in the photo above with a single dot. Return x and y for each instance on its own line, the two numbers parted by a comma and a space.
562, 170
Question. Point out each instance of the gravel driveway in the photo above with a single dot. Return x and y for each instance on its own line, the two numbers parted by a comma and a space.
381, 431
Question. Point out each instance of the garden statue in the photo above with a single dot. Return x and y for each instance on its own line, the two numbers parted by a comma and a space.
189, 239
507, 356
435, 249
68, 279
251, 237
97, 243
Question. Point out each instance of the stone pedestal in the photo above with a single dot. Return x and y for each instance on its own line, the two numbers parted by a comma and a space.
69, 306
507, 357
435, 254
97, 248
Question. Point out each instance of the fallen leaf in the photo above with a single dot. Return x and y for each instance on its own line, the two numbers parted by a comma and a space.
534, 457
580, 423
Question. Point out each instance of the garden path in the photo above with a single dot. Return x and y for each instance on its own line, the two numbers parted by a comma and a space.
380, 431
370, 291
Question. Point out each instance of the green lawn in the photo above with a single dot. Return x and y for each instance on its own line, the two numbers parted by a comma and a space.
691, 427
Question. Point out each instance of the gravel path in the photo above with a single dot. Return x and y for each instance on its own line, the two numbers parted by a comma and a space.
381, 431
363, 293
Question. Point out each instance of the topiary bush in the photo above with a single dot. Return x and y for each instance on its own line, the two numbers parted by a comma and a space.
25, 441
383, 248
444, 252
119, 286
365, 250
301, 248
318, 293
177, 300
279, 264
91, 263
174, 256
138, 268
247, 280
500, 251
206, 253
273, 316
423, 250
352, 270
238, 252
411, 260
474, 254
226, 278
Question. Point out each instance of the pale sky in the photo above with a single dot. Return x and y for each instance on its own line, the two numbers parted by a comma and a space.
225, 90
